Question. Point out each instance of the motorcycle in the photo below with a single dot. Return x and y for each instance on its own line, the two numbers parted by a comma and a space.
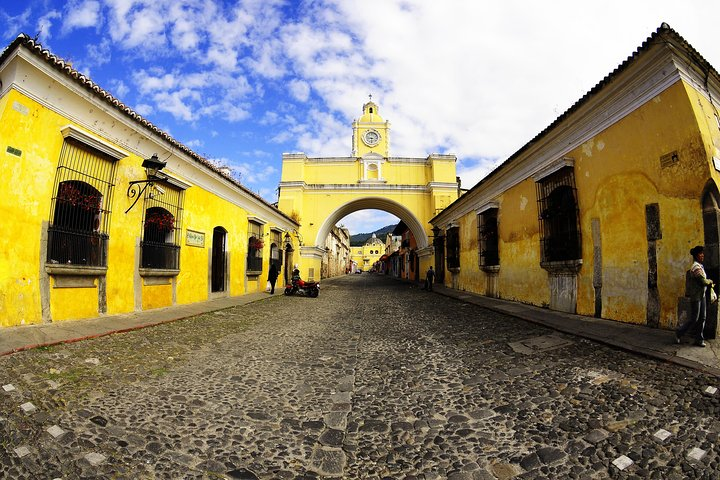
309, 289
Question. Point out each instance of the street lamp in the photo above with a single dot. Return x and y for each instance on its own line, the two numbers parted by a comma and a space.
152, 167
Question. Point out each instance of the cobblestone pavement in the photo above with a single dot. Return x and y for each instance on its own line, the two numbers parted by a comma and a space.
374, 379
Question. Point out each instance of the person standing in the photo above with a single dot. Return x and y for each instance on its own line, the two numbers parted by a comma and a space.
696, 283
272, 277
430, 279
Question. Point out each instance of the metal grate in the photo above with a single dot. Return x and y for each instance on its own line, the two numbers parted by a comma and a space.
255, 240
559, 217
162, 228
488, 238
453, 247
80, 210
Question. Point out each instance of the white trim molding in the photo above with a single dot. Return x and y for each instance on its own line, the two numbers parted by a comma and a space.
553, 167
487, 206
252, 218
92, 141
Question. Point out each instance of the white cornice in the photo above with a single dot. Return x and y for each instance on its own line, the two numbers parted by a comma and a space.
553, 167
350, 187
92, 141
176, 182
432, 185
487, 206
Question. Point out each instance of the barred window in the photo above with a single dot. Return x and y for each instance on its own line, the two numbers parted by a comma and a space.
453, 247
488, 238
558, 216
275, 250
255, 247
80, 209
160, 245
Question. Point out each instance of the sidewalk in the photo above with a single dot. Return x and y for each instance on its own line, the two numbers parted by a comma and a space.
16, 339
652, 342
640, 339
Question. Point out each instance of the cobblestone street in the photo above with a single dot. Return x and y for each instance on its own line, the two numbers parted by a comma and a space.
374, 379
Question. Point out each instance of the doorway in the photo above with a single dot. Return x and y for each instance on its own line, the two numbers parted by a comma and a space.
218, 263
711, 230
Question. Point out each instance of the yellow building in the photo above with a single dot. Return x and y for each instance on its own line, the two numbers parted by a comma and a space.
104, 213
366, 256
324, 190
598, 212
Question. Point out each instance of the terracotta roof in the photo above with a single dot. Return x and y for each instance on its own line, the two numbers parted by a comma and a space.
66, 68
657, 36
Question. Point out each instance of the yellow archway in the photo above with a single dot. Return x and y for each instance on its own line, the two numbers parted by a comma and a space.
374, 203
319, 191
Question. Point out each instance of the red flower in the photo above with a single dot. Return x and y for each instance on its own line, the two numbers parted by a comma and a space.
163, 221
72, 195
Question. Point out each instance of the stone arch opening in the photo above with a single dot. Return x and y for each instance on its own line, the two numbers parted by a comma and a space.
374, 203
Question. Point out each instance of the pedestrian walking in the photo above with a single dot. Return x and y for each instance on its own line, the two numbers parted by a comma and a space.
696, 283
430, 279
272, 277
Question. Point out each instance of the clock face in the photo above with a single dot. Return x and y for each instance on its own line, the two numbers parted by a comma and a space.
371, 138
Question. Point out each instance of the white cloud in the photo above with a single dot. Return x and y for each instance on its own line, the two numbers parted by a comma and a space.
81, 15
144, 109
45, 24
300, 90
366, 221
194, 143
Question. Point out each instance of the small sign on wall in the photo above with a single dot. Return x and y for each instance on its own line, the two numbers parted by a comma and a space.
194, 238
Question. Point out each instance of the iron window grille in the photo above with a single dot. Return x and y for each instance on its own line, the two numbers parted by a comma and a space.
275, 252
80, 208
255, 247
162, 227
452, 237
559, 217
488, 238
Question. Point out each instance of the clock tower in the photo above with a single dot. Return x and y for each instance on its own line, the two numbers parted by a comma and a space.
370, 133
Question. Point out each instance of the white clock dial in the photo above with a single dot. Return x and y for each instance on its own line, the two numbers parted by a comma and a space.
371, 138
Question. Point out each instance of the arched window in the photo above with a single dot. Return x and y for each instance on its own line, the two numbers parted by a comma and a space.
80, 209
255, 247
158, 235
160, 243
74, 237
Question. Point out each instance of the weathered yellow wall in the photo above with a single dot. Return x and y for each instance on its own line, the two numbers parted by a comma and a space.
73, 303
156, 296
24, 205
617, 173
26, 209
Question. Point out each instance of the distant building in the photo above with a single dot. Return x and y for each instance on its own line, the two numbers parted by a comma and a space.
367, 256
336, 260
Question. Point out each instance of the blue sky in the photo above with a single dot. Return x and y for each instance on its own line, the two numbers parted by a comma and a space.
242, 81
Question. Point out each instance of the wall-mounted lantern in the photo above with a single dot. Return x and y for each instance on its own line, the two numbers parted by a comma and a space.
152, 167
296, 234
